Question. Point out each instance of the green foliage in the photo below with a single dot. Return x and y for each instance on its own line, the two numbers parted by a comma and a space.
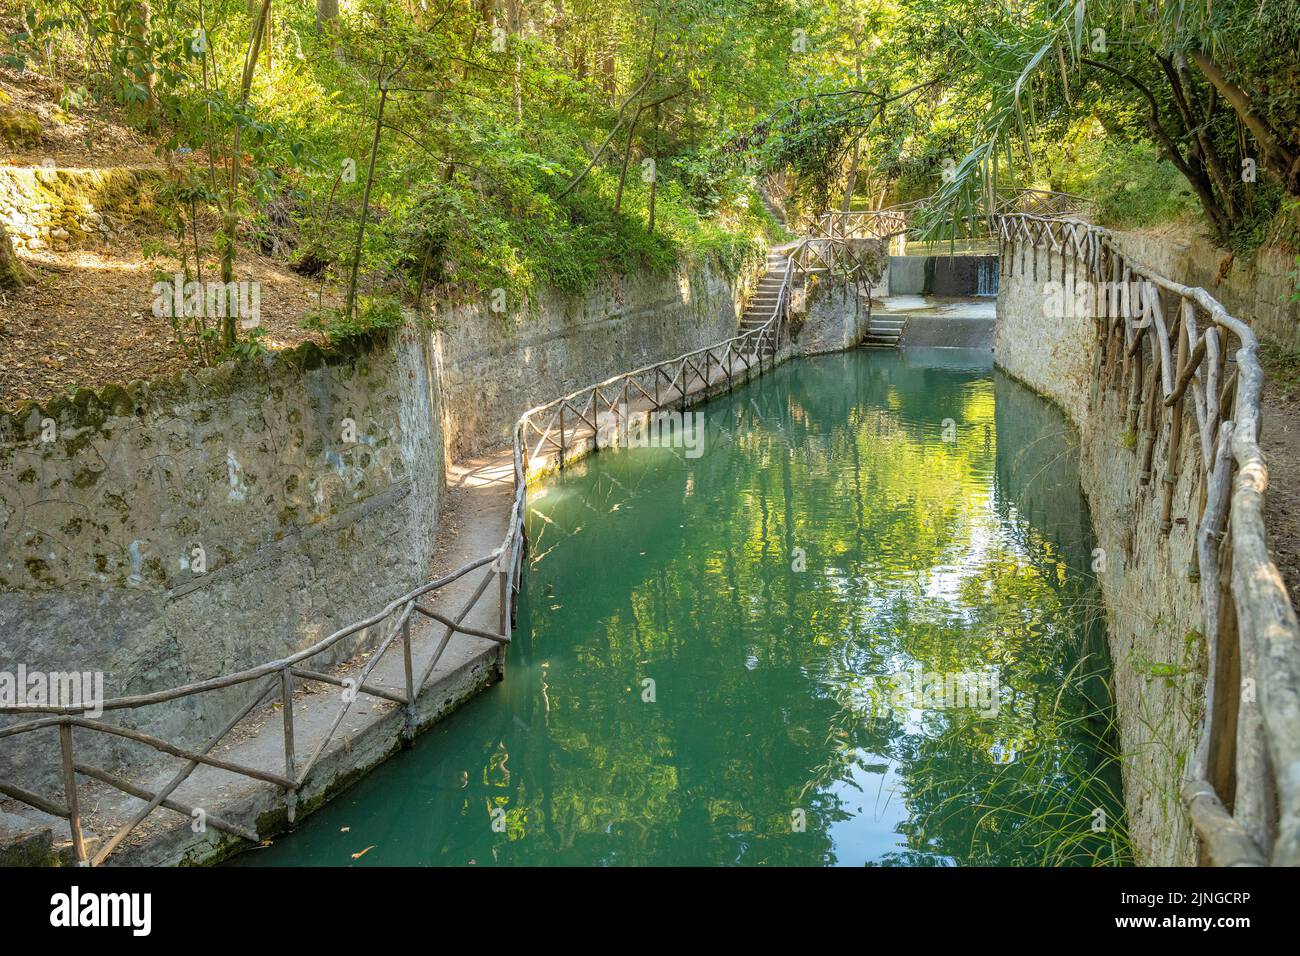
515, 158
1210, 85
373, 314
1130, 184
478, 175
252, 345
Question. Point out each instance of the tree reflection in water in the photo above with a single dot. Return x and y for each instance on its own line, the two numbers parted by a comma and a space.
833, 536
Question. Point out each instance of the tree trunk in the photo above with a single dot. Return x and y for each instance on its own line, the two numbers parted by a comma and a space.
230, 220
857, 143
853, 178
1279, 156
326, 10
627, 155
1192, 170
365, 201
142, 24
514, 23
12, 272
1197, 121
654, 181
651, 69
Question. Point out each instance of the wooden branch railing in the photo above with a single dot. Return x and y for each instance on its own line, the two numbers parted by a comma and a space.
1160, 341
274, 680
898, 220
603, 412
880, 224
550, 429
1044, 203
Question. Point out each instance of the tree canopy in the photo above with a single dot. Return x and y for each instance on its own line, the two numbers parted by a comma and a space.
402, 147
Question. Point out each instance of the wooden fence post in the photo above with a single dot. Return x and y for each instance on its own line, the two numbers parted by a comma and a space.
503, 586
408, 730
290, 760
70, 793
562, 404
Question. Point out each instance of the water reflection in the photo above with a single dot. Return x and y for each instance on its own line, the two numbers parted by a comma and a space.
860, 628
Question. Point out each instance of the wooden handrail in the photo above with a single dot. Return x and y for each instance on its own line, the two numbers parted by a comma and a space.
1247, 613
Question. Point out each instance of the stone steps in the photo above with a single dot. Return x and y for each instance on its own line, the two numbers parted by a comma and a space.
883, 332
767, 293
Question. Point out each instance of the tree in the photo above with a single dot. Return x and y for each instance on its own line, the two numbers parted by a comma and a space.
12, 272
326, 12
1210, 83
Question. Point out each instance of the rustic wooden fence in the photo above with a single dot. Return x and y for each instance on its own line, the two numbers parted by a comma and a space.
605, 412
901, 219
1171, 347
600, 411
1249, 754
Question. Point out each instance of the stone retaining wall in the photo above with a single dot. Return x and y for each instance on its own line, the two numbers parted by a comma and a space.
174, 531
496, 366
1258, 290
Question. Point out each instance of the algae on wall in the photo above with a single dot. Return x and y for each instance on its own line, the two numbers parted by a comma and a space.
12, 272
65, 208
18, 128
168, 532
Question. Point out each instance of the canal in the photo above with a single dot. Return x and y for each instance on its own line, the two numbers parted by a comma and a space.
857, 624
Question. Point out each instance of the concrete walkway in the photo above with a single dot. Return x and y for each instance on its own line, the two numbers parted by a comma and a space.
472, 524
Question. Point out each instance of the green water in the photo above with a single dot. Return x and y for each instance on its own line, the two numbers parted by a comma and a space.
852, 519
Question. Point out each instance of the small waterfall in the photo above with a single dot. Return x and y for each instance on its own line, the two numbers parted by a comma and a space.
987, 277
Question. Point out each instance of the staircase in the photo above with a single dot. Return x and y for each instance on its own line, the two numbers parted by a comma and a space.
763, 303
883, 331
766, 191
777, 213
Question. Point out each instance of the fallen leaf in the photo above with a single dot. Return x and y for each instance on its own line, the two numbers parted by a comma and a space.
357, 856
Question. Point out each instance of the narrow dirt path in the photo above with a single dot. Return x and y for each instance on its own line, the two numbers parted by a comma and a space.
1280, 440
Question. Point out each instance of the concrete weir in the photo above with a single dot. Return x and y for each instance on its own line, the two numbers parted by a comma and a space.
963, 322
